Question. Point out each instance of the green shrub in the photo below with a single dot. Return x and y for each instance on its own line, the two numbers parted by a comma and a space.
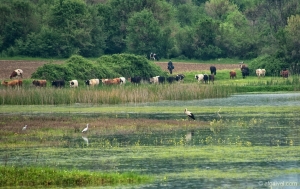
272, 65
77, 67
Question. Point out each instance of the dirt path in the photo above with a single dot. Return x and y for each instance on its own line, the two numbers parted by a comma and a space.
28, 67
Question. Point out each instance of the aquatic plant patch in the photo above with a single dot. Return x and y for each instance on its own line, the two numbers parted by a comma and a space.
45, 177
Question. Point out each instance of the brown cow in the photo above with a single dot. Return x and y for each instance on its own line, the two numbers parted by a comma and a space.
211, 78
111, 81
39, 83
232, 74
284, 73
12, 83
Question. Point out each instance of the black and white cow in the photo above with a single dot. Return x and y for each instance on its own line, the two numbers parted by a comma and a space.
73, 83
179, 77
245, 71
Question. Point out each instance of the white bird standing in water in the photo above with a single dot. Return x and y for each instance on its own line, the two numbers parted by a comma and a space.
189, 114
24, 128
85, 129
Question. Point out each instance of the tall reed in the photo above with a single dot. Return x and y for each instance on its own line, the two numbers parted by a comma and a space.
111, 95
136, 94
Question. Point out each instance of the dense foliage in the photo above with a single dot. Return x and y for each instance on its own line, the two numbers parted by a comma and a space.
78, 67
194, 29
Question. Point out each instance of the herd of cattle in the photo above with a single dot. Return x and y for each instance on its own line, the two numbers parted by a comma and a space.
204, 78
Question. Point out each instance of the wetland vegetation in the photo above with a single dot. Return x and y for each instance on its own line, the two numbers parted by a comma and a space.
139, 136
251, 145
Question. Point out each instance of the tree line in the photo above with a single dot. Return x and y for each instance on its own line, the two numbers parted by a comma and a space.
183, 29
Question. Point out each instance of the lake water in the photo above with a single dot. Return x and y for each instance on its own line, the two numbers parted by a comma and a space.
278, 131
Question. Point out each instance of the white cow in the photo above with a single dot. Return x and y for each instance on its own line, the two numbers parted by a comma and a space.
154, 79
199, 77
260, 72
123, 80
73, 83
263, 72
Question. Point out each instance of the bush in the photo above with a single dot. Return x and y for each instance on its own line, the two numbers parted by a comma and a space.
272, 65
77, 67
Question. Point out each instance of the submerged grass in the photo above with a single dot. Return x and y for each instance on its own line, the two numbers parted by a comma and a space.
45, 176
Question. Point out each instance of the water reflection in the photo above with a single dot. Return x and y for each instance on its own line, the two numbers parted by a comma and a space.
86, 140
189, 135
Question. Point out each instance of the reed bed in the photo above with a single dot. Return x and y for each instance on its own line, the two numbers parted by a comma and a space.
143, 93
112, 94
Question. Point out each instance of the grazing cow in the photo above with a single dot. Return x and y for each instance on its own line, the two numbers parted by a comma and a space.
232, 74
260, 72
135, 79
114, 81
12, 83
157, 79
73, 83
205, 78
213, 70
58, 83
284, 73
199, 77
245, 71
171, 79
39, 83
122, 80
179, 77
16, 73
263, 72
211, 78
92, 82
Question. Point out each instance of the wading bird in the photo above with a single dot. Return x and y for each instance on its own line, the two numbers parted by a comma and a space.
24, 128
85, 129
189, 114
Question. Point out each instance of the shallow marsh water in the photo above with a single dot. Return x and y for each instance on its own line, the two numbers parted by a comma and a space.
253, 150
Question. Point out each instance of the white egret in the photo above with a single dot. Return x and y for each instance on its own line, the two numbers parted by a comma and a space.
189, 114
85, 129
24, 128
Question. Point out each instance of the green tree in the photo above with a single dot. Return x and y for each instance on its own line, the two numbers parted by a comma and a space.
293, 38
218, 9
72, 20
17, 20
143, 33
236, 38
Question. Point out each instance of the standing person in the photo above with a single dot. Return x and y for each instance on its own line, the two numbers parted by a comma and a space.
170, 66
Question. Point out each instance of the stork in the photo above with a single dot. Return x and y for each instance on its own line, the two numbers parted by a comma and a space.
189, 114
85, 129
